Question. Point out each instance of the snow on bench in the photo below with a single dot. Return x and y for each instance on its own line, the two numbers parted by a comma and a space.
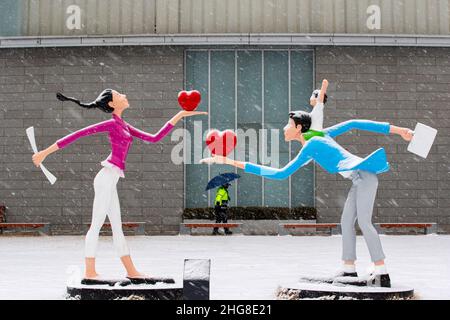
284, 228
43, 227
137, 227
428, 227
186, 228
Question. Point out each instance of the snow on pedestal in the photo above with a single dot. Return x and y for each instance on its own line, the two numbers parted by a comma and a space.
196, 279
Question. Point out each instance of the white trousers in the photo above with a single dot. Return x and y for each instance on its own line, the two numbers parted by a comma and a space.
106, 203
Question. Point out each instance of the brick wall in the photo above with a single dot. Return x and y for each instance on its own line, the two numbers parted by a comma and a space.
150, 76
399, 85
402, 86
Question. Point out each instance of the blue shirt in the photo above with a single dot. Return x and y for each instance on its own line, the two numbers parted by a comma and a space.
330, 155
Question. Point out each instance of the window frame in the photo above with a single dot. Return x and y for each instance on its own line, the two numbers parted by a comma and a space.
235, 50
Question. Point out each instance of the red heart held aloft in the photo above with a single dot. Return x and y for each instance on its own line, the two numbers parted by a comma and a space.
189, 100
221, 142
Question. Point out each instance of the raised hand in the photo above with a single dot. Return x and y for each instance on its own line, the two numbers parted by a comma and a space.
323, 90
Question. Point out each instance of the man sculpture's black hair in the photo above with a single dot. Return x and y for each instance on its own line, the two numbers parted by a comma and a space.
301, 117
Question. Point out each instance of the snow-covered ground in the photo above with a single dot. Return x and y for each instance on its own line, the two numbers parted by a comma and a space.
243, 267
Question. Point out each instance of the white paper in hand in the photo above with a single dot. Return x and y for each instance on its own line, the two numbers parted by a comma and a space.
51, 178
422, 140
48, 174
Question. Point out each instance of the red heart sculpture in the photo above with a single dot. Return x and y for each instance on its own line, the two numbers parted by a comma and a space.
221, 142
189, 100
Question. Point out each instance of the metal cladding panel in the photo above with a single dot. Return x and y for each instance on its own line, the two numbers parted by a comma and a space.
128, 17
106, 17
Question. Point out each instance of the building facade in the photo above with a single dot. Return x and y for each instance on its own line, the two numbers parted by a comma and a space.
253, 65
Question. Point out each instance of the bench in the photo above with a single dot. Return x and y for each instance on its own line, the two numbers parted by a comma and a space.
41, 227
186, 228
284, 228
428, 227
137, 227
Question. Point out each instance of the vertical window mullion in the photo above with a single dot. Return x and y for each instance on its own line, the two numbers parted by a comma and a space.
262, 123
314, 85
209, 115
235, 119
184, 134
289, 106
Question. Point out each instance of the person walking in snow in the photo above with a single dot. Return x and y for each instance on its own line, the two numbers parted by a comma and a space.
221, 208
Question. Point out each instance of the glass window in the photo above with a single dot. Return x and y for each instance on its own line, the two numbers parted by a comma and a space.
249, 116
276, 110
196, 175
302, 182
222, 108
250, 89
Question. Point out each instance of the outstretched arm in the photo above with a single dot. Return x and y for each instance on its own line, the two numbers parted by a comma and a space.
165, 129
271, 173
317, 111
40, 156
368, 125
405, 133
153, 138
183, 114
278, 174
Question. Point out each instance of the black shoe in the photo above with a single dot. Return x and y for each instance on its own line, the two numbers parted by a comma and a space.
379, 280
350, 274
228, 232
346, 274
109, 282
150, 280
142, 280
215, 233
340, 276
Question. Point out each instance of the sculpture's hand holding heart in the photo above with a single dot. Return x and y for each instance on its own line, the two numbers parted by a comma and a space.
215, 159
189, 100
221, 143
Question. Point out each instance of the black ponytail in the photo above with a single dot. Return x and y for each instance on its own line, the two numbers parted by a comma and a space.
101, 102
